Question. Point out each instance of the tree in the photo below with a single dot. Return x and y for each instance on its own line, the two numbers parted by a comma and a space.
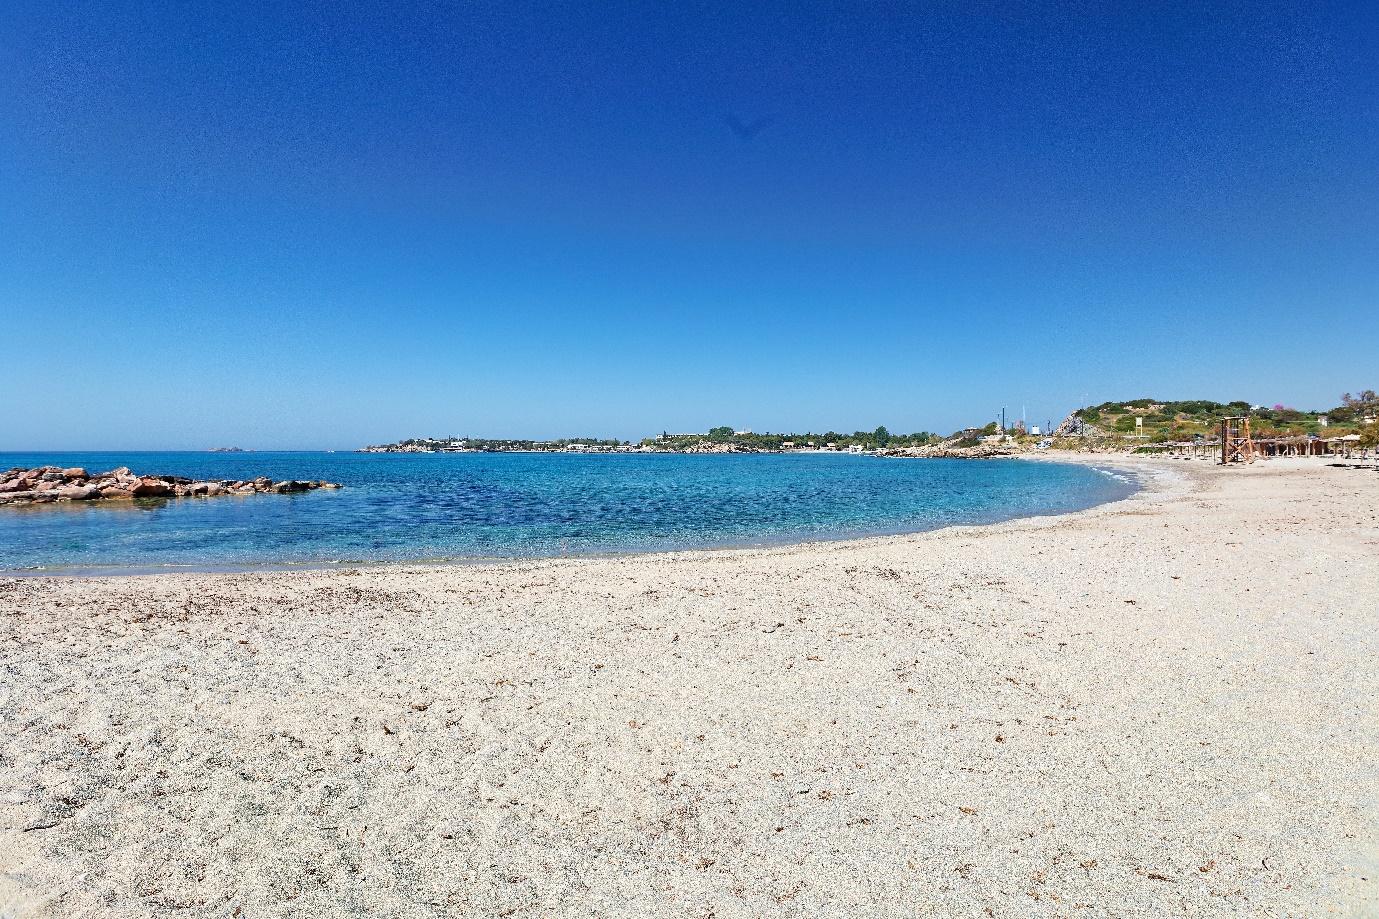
722, 431
881, 436
1356, 408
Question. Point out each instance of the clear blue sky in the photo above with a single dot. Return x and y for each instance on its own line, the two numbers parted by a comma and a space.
285, 225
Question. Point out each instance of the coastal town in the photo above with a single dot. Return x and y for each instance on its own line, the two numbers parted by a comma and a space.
1147, 426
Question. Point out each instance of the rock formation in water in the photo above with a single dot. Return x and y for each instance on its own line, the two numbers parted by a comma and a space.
47, 484
950, 451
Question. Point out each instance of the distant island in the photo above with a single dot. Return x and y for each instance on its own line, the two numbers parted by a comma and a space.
1136, 425
226, 450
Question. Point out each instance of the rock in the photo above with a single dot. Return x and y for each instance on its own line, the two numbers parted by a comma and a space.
50, 483
151, 488
948, 450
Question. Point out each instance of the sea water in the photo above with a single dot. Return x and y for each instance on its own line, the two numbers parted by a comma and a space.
448, 506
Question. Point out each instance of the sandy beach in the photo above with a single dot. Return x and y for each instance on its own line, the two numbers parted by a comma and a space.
1161, 707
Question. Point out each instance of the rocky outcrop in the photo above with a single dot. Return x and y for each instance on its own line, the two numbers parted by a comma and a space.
949, 451
1077, 426
48, 484
710, 446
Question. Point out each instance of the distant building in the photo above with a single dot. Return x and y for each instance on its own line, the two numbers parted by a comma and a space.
1034, 430
742, 433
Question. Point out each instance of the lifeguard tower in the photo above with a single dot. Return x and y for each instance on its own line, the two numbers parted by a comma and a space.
1236, 445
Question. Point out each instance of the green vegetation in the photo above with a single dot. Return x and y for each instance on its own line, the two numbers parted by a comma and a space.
1153, 421
1141, 423
1354, 409
867, 440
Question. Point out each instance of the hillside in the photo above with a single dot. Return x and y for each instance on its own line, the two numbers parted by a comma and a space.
1159, 420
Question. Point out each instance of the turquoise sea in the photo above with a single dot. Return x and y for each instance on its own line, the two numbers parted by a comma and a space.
413, 507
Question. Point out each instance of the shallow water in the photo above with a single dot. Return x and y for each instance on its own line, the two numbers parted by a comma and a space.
410, 507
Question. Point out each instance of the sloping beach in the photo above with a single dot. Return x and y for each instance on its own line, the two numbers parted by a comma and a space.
1161, 707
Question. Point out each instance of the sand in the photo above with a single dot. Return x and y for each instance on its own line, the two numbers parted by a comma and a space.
1161, 707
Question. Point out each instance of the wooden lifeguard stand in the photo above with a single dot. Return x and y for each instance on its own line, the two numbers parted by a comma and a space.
1236, 445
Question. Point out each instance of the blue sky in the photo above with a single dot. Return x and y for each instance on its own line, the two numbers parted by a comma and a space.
301, 226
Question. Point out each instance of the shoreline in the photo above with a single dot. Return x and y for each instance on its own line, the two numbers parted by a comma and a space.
1156, 706
1143, 480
